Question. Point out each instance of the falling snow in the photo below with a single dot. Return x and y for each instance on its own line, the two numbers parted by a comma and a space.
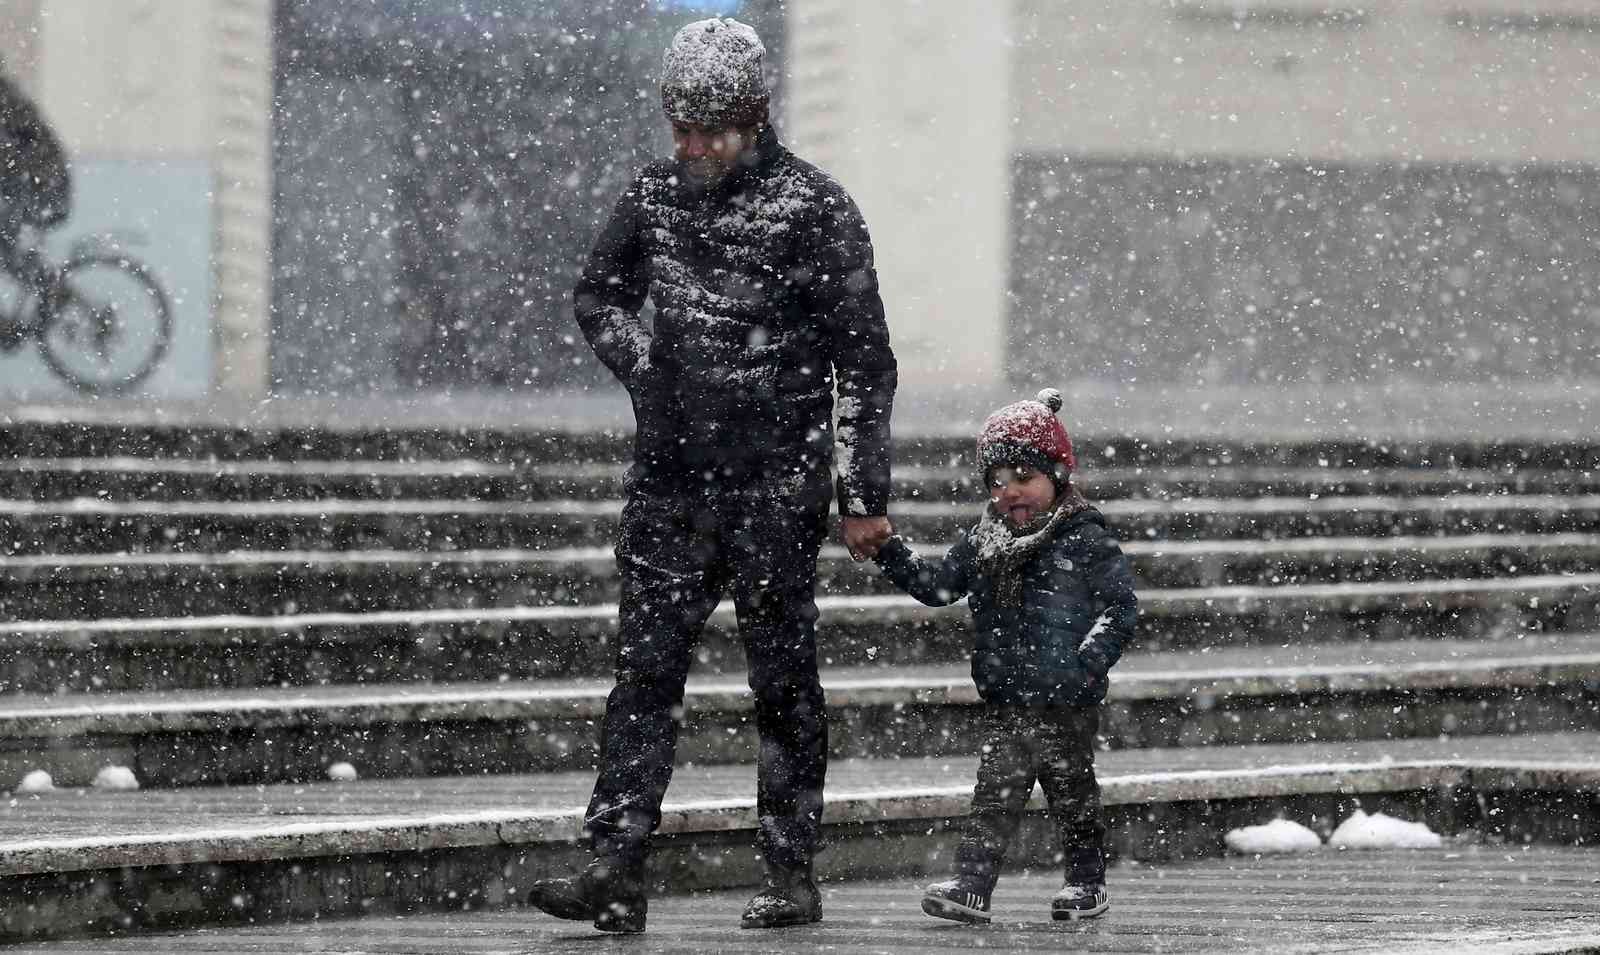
489, 438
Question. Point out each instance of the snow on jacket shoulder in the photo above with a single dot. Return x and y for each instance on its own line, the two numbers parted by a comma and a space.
766, 297
1078, 611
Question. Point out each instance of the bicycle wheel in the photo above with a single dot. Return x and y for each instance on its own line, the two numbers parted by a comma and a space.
104, 323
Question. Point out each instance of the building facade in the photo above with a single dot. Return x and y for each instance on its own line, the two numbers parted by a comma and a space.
1206, 201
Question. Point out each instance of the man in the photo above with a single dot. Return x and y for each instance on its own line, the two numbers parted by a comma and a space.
766, 300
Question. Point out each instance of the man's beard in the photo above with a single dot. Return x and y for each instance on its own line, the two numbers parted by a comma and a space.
703, 173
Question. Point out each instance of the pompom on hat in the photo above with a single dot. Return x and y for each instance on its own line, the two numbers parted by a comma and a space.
1028, 432
712, 75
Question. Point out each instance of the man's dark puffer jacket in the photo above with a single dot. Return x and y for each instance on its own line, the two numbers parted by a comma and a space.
1078, 609
764, 288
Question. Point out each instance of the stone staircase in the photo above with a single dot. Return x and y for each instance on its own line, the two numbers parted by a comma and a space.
230, 612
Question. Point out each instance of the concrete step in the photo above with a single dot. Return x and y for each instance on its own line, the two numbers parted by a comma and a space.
86, 586
367, 440
73, 863
1466, 897
189, 479
540, 642
359, 434
1294, 693
29, 528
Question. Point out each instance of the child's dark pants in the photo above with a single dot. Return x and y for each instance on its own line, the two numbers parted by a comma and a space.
676, 555
1054, 745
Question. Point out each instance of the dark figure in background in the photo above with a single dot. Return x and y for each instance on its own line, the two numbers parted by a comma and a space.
35, 188
761, 271
34, 185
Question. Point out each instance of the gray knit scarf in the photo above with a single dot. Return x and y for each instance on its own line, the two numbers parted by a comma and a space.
1003, 552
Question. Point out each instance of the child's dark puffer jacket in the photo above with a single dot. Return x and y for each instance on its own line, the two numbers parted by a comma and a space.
1078, 609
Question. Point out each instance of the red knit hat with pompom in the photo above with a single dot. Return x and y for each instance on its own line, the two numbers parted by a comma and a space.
1028, 432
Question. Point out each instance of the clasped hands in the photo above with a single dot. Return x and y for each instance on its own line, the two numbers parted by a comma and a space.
863, 536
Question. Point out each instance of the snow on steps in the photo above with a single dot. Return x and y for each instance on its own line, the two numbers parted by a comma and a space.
265, 582
1293, 693
521, 642
437, 428
178, 479
72, 862
93, 525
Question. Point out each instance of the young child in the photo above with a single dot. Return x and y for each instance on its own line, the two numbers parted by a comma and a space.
1052, 603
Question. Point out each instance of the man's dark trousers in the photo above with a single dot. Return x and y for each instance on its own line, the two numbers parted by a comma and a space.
678, 550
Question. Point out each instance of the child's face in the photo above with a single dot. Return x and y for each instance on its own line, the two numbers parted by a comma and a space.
1020, 494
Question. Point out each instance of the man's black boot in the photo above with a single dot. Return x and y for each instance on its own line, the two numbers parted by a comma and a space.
788, 896
608, 893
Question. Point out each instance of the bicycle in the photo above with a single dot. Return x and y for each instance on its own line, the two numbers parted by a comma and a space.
101, 320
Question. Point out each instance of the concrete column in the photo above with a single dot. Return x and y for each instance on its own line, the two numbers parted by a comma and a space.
242, 166
908, 104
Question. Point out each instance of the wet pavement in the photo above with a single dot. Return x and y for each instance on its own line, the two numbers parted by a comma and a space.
1463, 898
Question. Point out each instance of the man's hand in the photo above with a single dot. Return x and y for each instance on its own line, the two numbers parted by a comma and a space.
864, 535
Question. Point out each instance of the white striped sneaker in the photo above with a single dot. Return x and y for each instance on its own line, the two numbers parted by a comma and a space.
1078, 901
956, 899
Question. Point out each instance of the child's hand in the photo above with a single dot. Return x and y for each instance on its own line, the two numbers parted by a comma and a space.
863, 536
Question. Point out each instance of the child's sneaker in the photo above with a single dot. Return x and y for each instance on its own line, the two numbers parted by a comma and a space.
961, 900
1078, 901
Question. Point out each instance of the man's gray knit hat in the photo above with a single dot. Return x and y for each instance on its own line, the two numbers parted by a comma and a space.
711, 75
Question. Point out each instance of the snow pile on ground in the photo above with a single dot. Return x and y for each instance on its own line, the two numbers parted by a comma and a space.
37, 781
1277, 836
116, 779
342, 773
1379, 831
